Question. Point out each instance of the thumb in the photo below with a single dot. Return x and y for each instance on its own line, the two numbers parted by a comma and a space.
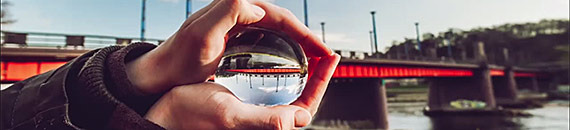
251, 14
278, 117
302, 118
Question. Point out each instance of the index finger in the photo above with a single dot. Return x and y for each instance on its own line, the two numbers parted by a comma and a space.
278, 18
317, 83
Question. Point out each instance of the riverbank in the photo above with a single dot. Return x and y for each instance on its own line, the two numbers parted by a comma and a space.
406, 105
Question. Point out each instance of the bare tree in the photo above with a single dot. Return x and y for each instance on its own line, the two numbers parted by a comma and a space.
4, 13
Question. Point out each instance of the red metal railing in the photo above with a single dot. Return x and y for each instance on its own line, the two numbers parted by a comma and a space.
16, 71
524, 74
370, 71
495, 72
265, 71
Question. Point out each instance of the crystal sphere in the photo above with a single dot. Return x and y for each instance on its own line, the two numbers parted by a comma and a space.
263, 67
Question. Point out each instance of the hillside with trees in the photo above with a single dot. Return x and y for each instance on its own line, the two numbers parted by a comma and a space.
527, 44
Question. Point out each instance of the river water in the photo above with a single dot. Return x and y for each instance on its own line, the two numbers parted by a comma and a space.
408, 116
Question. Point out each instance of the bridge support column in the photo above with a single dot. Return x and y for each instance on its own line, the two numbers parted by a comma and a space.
527, 83
444, 90
550, 82
505, 87
354, 103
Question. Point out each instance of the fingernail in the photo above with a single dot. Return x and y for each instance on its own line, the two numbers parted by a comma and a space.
258, 11
302, 118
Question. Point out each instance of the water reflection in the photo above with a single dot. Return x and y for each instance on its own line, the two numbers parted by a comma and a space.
550, 117
473, 122
264, 89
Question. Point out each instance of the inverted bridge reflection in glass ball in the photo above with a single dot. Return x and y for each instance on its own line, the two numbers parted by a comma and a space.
263, 67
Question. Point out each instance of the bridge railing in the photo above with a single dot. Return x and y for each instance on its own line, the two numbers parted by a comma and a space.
74, 41
64, 41
367, 55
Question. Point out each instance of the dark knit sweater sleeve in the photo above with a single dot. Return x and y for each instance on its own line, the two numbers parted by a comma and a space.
101, 97
120, 86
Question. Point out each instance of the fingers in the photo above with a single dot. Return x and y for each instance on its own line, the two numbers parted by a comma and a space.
313, 61
278, 18
317, 84
277, 118
198, 46
223, 16
199, 13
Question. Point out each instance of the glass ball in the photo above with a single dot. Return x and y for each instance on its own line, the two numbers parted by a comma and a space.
263, 67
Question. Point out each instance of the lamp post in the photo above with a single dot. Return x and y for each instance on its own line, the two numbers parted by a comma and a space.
188, 8
323, 30
418, 37
143, 19
374, 30
306, 14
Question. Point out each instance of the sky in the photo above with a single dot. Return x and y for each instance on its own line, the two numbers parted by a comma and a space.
347, 23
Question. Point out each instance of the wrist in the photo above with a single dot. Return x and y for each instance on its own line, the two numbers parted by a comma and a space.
146, 75
160, 113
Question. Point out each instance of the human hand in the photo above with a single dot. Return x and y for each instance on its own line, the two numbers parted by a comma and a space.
211, 106
192, 54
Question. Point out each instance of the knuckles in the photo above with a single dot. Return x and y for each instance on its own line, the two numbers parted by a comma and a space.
275, 122
234, 4
177, 93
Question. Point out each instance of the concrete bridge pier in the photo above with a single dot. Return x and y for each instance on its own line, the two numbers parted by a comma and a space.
527, 83
356, 103
548, 83
442, 91
505, 87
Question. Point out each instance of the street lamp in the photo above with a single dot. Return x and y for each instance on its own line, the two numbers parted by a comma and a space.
418, 37
323, 30
188, 8
143, 19
374, 30
306, 14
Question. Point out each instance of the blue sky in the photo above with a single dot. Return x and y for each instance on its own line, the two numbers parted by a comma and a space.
347, 22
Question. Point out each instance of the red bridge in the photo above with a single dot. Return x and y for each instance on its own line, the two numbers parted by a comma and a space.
357, 82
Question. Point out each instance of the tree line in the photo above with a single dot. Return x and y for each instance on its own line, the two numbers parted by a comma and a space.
521, 44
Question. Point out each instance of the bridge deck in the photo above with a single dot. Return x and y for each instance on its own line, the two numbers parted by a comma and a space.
409, 63
20, 63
